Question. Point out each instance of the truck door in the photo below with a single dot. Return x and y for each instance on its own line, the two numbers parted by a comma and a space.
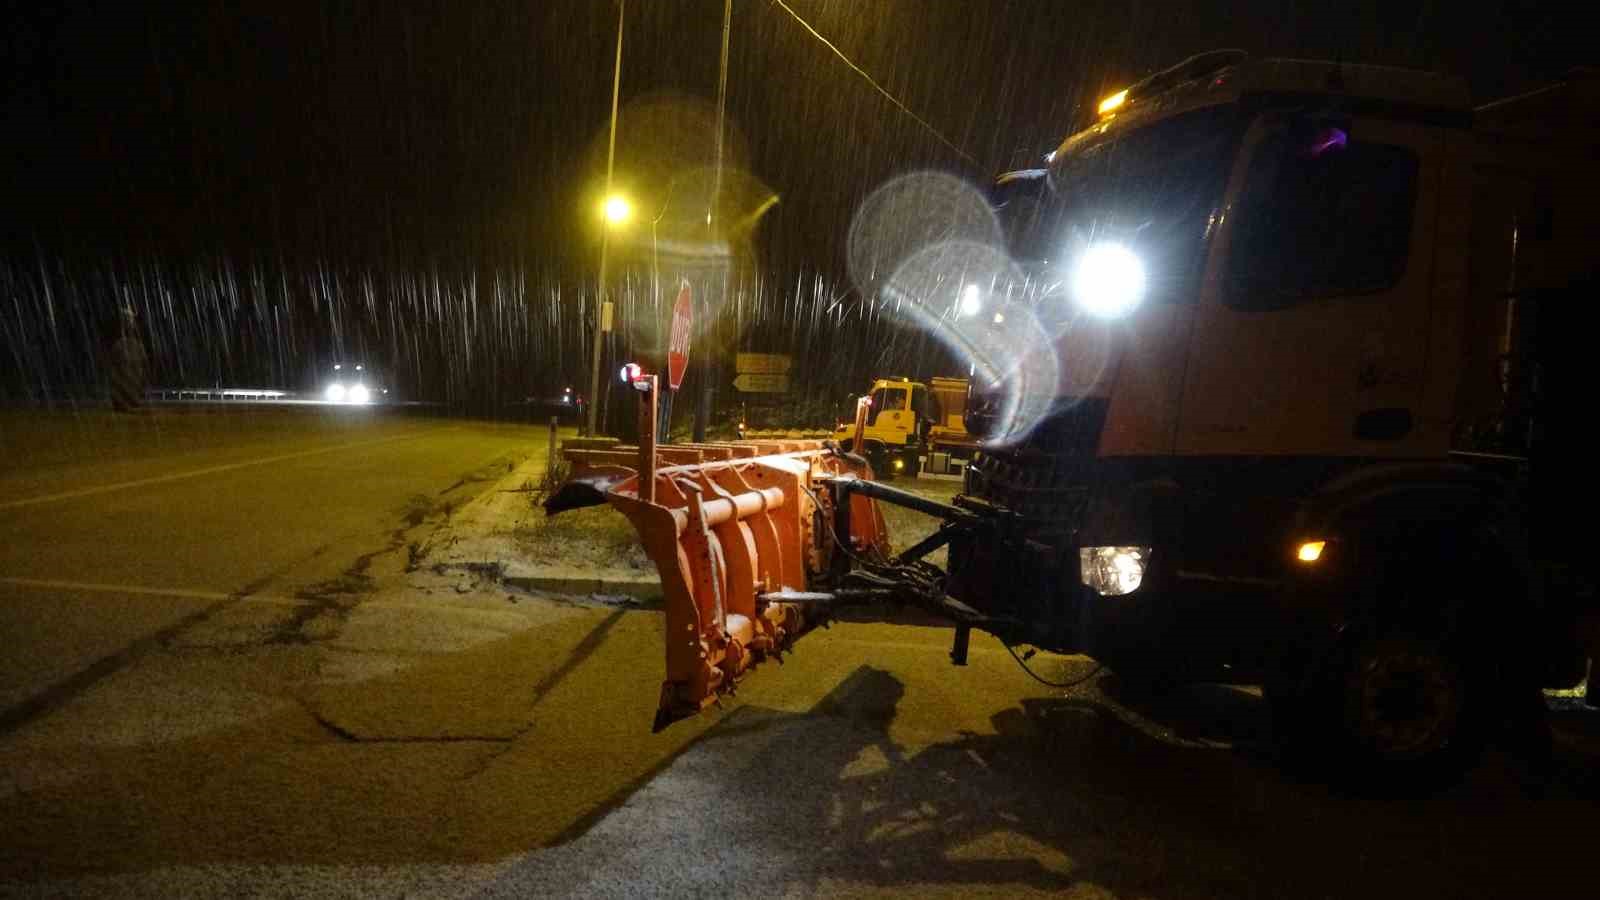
925, 410
893, 417
1311, 338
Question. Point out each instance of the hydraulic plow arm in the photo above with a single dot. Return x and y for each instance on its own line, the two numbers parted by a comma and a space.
740, 543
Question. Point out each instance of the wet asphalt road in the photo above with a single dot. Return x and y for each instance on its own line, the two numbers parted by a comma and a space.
225, 683
117, 528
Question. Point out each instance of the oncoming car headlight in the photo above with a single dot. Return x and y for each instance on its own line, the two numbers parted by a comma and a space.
334, 393
1113, 571
359, 394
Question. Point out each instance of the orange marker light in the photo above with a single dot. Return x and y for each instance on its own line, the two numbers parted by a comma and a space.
1311, 551
1110, 103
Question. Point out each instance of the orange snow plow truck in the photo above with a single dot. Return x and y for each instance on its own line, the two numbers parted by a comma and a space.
1334, 440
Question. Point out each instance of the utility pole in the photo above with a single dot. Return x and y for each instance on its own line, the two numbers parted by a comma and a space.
605, 234
703, 413
722, 108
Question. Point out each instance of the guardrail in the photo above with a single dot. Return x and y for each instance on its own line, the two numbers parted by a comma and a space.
219, 395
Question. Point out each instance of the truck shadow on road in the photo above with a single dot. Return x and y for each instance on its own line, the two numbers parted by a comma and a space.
1066, 792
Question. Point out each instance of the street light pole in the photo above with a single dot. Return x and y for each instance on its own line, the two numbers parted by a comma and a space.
605, 234
703, 413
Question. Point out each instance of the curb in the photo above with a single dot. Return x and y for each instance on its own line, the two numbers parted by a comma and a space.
644, 591
491, 550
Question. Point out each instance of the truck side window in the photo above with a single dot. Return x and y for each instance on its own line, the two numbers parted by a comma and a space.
880, 403
1327, 217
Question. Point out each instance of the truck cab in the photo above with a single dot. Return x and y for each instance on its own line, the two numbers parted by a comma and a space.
899, 416
1291, 432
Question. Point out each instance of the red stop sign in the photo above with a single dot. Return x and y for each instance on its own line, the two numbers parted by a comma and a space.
678, 342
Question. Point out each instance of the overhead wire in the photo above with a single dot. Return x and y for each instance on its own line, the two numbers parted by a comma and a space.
876, 86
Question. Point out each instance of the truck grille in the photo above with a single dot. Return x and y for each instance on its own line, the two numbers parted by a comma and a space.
1046, 477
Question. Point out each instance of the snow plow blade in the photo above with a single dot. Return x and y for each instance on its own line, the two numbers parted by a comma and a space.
738, 540
588, 489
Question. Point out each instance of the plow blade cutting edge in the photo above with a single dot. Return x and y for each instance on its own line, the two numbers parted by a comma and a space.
739, 542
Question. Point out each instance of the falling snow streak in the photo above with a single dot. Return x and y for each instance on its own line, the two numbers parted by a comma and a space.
279, 185
476, 340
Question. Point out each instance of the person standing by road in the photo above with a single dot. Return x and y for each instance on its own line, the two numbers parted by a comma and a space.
125, 362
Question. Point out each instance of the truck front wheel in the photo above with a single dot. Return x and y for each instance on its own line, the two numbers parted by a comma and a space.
1404, 699
1392, 707
882, 462
911, 459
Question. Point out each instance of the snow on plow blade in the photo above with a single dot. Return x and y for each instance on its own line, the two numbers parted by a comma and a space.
738, 539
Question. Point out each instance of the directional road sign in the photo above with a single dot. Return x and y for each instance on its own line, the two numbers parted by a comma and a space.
762, 363
752, 383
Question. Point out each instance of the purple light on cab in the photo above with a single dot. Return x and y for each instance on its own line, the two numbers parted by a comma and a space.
1328, 139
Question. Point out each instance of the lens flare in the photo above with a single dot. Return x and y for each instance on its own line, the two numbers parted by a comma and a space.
971, 300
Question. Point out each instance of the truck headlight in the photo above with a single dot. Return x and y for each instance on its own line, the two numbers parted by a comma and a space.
1108, 280
359, 394
334, 393
1113, 571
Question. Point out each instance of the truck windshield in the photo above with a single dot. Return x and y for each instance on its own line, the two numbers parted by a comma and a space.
1154, 190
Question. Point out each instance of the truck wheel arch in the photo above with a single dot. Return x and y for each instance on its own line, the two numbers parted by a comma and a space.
1423, 546
1378, 515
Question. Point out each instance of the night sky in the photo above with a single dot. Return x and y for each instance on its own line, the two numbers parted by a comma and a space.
448, 128
416, 134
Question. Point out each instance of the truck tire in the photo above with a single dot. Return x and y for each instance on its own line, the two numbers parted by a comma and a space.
878, 456
1392, 708
913, 460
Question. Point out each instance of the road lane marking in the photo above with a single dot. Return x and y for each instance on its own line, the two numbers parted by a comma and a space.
52, 584
372, 602
195, 473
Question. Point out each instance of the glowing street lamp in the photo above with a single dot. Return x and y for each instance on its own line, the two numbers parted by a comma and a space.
616, 210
